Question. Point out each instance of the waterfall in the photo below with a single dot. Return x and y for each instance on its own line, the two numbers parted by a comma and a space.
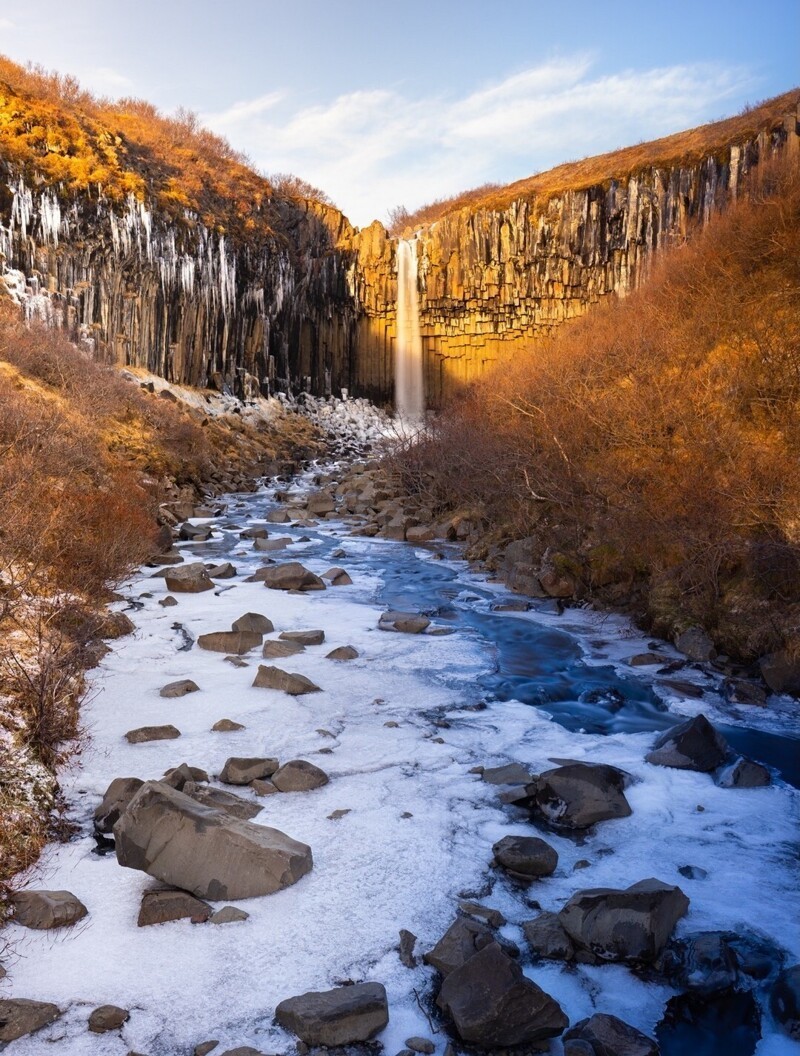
408, 383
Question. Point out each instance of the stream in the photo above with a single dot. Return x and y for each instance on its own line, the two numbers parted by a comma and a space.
400, 730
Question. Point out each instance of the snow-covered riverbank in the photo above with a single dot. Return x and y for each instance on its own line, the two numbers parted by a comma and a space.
398, 730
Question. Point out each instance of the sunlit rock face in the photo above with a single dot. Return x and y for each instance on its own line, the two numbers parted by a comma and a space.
312, 305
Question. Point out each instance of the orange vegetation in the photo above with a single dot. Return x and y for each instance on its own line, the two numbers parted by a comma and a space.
656, 443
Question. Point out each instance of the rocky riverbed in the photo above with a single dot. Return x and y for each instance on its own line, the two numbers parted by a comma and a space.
372, 798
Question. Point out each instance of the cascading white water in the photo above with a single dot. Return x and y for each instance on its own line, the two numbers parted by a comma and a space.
408, 384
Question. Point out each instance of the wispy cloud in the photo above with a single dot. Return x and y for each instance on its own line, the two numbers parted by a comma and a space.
371, 150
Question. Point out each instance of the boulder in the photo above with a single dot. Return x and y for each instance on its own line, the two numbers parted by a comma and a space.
254, 532
179, 776
108, 1017
206, 851
525, 857
142, 734
744, 773
265, 546
404, 622
277, 650
462, 940
20, 1016
547, 938
603, 1035
239, 771
493, 917
179, 689
188, 579
321, 502
784, 1001
630, 926
493, 1005
740, 691
228, 915
705, 962
43, 910
646, 660
781, 672
298, 775
343, 652
219, 799
293, 684
303, 637
234, 642
344, 1016
558, 575
225, 570
159, 907
578, 795
422, 1045
194, 533
117, 796
263, 787
691, 745
278, 517
509, 774
337, 577
253, 623
227, 726
291, 576
696, 644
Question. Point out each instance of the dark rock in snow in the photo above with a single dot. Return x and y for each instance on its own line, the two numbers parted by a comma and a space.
240, 771
234, 642
525, 857
691, 745
291, 576
117, 796
603, 1035
744, 773
179, 689
159, 907
43, 910
344, 1016
108, 1017
578, 795
293, 684
20, 1016
253, 623
298, 775
152, 733
547, 938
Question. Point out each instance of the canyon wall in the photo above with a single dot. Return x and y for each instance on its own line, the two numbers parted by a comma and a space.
312, 304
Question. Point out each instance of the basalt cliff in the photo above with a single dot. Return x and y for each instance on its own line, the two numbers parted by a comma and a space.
237, 282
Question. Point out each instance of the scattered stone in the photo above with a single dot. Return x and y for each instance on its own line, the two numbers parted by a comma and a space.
278, 517
321, 502
338, 554
239, 771
646, 660
683, 689
253, 623
604, 1035
189, 579
343, 652
493, 917
303, 637
228, 915
462, 940
179, 689
630, 926
225, 570
293, 684
266, 546
279, 650
219, 799
152, 733
298, 775
205, 1047
43, 910
692, 872
235, 642
740, 691
781, 672
194, 533
525, 857
227, 726
337, 815
158, 907
744, 773
784, 1001
235, 661
108, 1017
493, 1005
696, 644
408, 941
343, 1016
263, 787
20, 1016
578, 795
691, 745
291, 576
254, 532
337, 577
179, 776
424, 1045
404, 622
208, 852
117, 796
168, 601
510, 774
547, 938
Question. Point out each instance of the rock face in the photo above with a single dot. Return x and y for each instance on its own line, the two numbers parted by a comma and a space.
493, 1005
43, 910
578, 795
603, 1035
344, 1016
629, 926
691, 745
208, 852
20, 1016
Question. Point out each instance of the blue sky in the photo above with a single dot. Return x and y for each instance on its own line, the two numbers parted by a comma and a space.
387, 104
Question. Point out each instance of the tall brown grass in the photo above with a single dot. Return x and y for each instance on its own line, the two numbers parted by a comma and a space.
658, 439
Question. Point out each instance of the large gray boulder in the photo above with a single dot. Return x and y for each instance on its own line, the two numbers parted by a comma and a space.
241, 771
525, 857
578, 795
631, 926
291, 576
159, 907
117, 796
403, 622
493, 1005
547, 938
744, 773
344, 1016
691, 745
603, 1035
20, 1016
188, 579
253, 623
462, 940
298, 775
43, 910
233, 642
293, 684
696, 644
179, 841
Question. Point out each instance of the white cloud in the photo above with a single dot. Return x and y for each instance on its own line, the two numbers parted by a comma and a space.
374, 149
6, 23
